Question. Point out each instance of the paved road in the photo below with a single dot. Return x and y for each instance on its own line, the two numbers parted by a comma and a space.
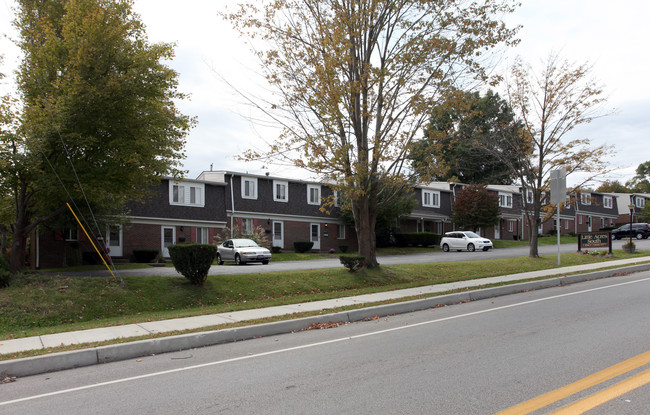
480, 358
438, 256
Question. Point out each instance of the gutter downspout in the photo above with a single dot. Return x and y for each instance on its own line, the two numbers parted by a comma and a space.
232, 201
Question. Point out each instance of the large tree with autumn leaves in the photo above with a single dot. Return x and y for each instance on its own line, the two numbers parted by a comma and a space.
353, 82
550, 102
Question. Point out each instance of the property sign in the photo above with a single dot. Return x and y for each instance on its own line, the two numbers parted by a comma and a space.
558, 186
595, 240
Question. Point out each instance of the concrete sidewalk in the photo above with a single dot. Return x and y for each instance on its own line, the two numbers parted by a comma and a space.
40, 364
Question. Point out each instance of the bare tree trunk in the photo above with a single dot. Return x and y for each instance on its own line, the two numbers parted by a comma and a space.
18, 247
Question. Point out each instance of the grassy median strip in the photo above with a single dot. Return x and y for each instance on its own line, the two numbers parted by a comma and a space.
37, 304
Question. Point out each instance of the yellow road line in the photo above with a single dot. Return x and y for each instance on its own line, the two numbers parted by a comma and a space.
606, 395
585, 383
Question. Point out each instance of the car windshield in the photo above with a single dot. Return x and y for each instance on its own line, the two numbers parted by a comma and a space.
471, 235
246, 243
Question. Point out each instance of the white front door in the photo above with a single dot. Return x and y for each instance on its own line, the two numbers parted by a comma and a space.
278, 234
497, 231
114, 240
168, 237
315, 235
588, 223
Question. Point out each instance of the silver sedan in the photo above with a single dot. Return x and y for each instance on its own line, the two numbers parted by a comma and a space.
242, 251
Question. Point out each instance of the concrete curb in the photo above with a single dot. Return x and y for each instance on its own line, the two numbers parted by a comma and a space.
78, 358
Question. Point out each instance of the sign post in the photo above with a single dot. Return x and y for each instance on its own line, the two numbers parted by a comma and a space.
558, 196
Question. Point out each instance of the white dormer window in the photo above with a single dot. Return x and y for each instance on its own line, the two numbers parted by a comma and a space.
313, 194
505, 200
608, 202
249, 187
585, 199
529, 196
567, 201
430, 198
280, 191
640, 202
186, 194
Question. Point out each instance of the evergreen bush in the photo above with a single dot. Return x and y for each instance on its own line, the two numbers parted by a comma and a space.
352, 262
145, 255
193, 261
417, 239
303, 246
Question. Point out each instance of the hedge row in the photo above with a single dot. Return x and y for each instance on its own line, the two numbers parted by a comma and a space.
417, 239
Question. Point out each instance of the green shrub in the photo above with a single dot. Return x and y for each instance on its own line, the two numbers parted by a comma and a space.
303, 246
276, 249
145, 255
417, 239
352, 262
193, 260
343, 248
5, 272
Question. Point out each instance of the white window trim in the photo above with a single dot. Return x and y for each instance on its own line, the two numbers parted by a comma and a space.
567, 201
185, 194
511, 225
585, 199
71, 234
639, 202
608, 202
243, 187
249, 221
336, 198
310, 187
277, 183
203, 231
529, 196
508, 199
434, 197
340, 231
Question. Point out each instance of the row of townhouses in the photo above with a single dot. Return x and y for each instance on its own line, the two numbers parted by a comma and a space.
289, 211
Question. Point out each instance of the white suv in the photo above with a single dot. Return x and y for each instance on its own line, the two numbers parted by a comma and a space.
461, 240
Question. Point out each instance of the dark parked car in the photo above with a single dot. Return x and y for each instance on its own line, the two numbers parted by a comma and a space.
639, 231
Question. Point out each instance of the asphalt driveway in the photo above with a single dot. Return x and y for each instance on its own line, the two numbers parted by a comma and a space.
438, 256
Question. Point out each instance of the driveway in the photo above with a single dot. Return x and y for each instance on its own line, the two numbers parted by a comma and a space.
438, 256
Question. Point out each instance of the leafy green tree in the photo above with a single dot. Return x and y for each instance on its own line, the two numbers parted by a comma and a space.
640, 183
98, 120
612, 186
457, 134
353, 82
475, 207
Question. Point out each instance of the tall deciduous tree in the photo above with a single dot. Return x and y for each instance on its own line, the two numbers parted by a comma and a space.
474, 207
641, 181
98, 121
456, 136
354, 81
612, 186
550, 104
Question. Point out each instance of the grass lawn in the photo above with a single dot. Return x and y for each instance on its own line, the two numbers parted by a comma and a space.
40, 304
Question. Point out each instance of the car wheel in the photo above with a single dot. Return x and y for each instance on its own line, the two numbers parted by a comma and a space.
486, 248
639, 235
265, 262
219, 259
238, 260
616, 237
471, 248
445, 248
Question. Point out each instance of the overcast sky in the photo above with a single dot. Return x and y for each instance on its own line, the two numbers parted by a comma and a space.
611, 36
